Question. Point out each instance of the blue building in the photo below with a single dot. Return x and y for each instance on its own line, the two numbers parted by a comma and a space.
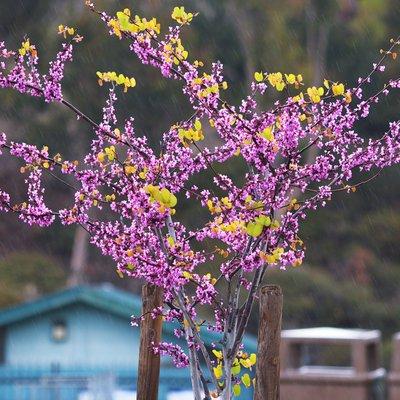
78, 344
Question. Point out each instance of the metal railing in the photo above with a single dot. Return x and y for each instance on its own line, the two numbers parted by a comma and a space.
82, 384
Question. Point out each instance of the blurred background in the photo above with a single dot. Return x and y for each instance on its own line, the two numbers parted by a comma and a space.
351, 273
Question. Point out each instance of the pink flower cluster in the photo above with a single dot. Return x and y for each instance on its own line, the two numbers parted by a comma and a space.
179, 358
125, 193
18, 70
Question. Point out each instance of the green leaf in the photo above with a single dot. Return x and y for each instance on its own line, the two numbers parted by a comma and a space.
123, 20
254, 229
172, 201
263, 220
237, 390
235, 370
267, 134
246, 380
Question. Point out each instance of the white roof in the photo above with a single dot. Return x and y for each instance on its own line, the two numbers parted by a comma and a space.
335, 334
326, 370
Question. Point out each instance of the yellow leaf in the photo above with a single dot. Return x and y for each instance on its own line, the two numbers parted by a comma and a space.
171, 241
218, 371
253, 358
217, 354
245, 362
275, 224
291, 78
130, 169
267, 134
143, 174
181, 16
280, 86
226, 202
100, 157
338, 89
258, 76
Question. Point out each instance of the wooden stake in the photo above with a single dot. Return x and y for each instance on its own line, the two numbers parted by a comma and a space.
269, 338
150, 331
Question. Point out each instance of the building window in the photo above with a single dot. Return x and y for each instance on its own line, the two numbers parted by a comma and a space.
59, 331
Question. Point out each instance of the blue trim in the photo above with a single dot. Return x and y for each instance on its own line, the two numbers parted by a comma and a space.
20, 372
106, 298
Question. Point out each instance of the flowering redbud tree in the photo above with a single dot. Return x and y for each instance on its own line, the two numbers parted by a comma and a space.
126, 193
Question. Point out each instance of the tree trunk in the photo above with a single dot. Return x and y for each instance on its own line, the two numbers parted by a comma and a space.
269, 339
150, 331
78, 257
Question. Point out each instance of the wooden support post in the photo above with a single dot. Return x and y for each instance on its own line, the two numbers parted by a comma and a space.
150, 331
269, 339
